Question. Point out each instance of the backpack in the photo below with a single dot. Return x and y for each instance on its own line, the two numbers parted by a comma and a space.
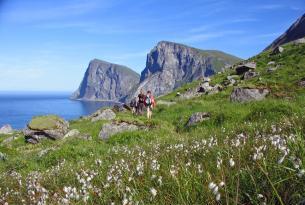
148, 101
153, 101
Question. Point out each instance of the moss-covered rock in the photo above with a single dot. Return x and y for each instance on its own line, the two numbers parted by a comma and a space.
46, 122
42, 127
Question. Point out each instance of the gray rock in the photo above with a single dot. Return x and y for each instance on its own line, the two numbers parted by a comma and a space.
302, 82
3, 157
215, 89
118, 108
111, 129
45, 127
230, 77
296, 31
271, 69
299, 41
197, 118
206, 79
271, 63
170, 65
103, 114
248, 94
106, 81
249, 75
277, 50
243, 68
72, 133
6, 129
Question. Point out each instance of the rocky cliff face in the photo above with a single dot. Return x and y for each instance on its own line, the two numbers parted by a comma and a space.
296, 31
106, 81
170, 65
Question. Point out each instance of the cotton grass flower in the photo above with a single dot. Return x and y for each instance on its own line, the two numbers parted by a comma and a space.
153, 192
231, 162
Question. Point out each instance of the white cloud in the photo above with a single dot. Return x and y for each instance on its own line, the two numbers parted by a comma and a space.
208, 36
73, 8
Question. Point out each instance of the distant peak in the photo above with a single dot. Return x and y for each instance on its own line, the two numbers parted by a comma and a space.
162, 43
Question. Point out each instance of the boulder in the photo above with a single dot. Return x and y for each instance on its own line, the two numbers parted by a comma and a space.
191, 93
197, 118
302, 83
250, 74
241, 69
271, 63
3, 157
277, 50
102, 114
45, 127
6, 129
215, 89
72, 133
299, 41
248, 94
118, 108
206, 79
110, 129
271, 69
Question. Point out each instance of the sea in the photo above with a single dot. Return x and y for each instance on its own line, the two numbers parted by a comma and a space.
18, 108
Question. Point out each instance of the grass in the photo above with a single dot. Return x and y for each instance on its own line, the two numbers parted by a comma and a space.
173, 164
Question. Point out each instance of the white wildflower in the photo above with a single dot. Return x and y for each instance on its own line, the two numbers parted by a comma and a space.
153, 192
231, 162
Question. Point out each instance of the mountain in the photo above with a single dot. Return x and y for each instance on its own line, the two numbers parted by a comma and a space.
106, 81
296, 31
170, 65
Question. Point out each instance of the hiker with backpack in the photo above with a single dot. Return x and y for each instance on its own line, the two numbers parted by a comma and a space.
133, 105
141, 102
150, 103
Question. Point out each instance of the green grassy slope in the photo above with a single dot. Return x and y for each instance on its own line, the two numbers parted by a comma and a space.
252, 152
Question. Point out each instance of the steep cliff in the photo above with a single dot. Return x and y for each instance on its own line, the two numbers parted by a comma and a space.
106, 81
296, 31
170, 65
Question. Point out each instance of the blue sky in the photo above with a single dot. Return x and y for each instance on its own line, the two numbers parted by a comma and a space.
47, 45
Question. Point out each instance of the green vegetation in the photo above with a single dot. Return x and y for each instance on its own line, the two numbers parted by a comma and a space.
251, 153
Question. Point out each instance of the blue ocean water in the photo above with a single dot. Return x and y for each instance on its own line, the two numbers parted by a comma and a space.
17, 108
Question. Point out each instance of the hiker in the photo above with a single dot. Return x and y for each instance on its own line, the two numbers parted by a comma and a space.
141, 99
133, 105
150, 103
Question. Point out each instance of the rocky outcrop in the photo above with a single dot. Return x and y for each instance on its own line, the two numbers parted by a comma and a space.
6, 129
248, 94
296, 31
45, 127
102, 114
197, 118
170, 65
249, 75
106, 81
243, 68
113, 128
277, 50
204, 88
